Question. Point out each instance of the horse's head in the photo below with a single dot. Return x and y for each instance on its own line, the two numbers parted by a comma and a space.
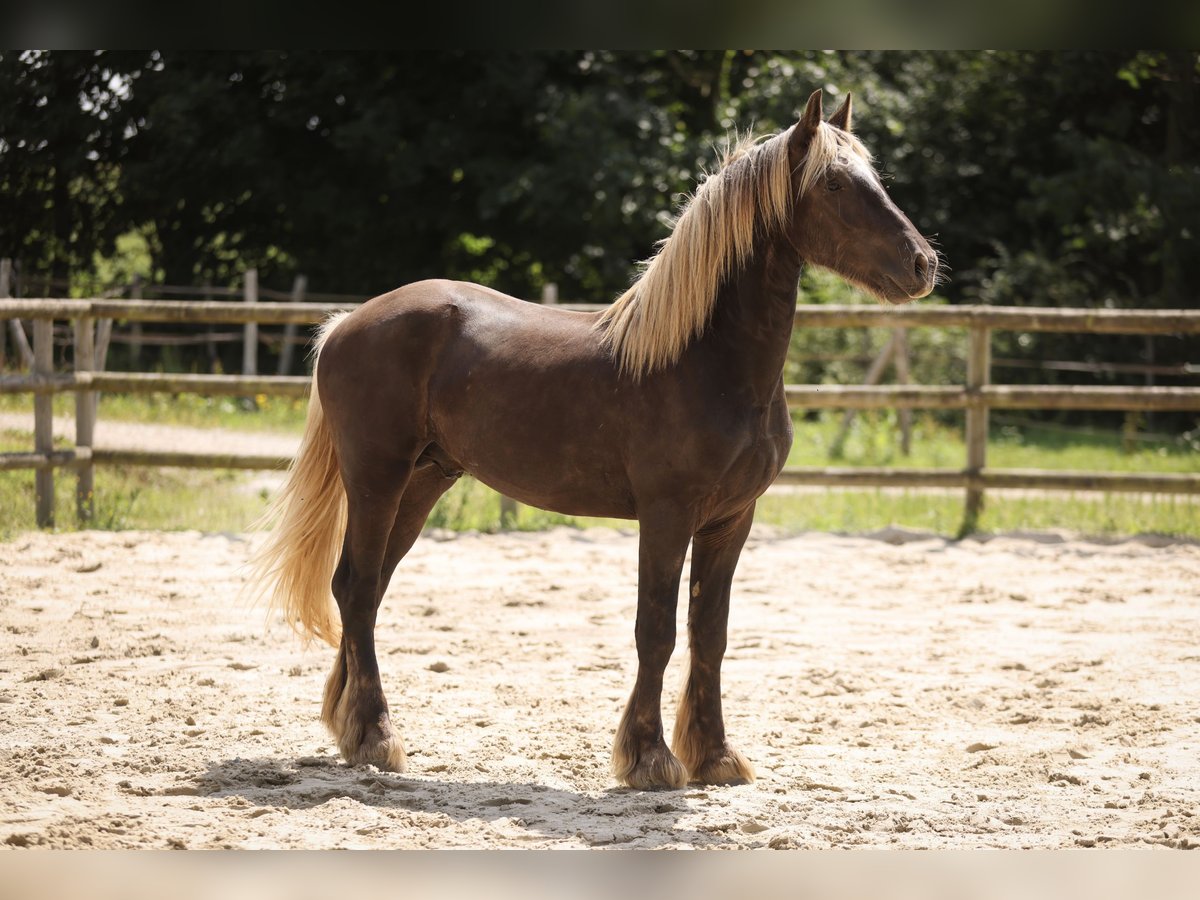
843, 219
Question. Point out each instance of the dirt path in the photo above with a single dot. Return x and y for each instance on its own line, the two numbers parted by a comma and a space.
139, 435
929, 694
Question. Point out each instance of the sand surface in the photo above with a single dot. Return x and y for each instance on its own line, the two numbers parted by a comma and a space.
1013, 692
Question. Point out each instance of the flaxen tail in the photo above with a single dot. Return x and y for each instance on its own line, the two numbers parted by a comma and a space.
307, 518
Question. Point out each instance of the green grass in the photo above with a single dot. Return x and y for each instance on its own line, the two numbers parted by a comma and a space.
873, 440
472, 506
941, 512
165, 499
135, 498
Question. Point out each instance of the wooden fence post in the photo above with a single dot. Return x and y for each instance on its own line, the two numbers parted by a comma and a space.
20, 342
43, 420
135, 328
250, 338
210, 346
900, 362
873, 376
103, 339
85, 420
100, 356
979, 366
549, 294
299, 286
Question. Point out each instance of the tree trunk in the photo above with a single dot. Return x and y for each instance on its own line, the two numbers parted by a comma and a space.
1181, 126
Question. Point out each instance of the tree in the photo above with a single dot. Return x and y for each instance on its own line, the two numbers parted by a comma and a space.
368, 170
62, 138
1061, 178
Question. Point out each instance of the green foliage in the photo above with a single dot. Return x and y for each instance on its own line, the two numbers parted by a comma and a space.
1076, 169
1048, 178
131, 258
62, 127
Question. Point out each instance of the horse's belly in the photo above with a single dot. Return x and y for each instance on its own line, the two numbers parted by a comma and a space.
539, 459
562, 483
571, 499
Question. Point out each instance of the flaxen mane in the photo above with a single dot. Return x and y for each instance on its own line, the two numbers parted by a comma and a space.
648, 327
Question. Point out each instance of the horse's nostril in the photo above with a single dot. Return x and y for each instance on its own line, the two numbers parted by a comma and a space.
921, 264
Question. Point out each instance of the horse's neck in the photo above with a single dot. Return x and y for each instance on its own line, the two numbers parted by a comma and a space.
751, 327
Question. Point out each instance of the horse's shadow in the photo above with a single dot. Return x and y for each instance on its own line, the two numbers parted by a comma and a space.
619, 817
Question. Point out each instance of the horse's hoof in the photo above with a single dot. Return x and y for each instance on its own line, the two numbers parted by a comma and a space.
655, 770
730, 767
379, 748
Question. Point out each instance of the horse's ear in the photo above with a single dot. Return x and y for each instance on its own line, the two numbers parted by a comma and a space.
810, 121
841, 118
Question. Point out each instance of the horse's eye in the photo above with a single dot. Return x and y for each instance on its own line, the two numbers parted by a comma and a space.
833, 184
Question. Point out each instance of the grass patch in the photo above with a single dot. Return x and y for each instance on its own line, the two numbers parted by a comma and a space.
169, 499
135, 498
856, 511
873, 439
472, 506
224, 500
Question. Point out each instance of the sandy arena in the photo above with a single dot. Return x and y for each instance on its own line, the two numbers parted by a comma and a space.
1014, 692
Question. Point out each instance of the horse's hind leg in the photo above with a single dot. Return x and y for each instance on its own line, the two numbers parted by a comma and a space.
427, 484
699, 739
382, 525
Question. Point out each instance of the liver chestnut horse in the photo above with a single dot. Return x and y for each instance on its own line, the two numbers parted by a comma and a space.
667, 407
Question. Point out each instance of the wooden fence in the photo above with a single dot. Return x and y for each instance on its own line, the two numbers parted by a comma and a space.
977, 396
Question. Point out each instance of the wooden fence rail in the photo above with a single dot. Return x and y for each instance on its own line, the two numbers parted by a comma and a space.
976, 397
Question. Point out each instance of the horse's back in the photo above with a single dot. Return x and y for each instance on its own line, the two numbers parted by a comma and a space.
500, 385
439, 309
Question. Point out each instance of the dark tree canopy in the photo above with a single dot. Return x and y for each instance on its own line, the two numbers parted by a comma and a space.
1047, 177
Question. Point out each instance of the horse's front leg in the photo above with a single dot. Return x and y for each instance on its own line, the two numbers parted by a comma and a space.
640, 755
699, 739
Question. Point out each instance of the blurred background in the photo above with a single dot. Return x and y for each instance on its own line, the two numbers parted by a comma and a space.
1047, 179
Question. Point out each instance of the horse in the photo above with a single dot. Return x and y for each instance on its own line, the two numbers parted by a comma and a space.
666, 407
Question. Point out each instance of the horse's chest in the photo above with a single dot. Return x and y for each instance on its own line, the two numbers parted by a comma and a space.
747, 458
769, 446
